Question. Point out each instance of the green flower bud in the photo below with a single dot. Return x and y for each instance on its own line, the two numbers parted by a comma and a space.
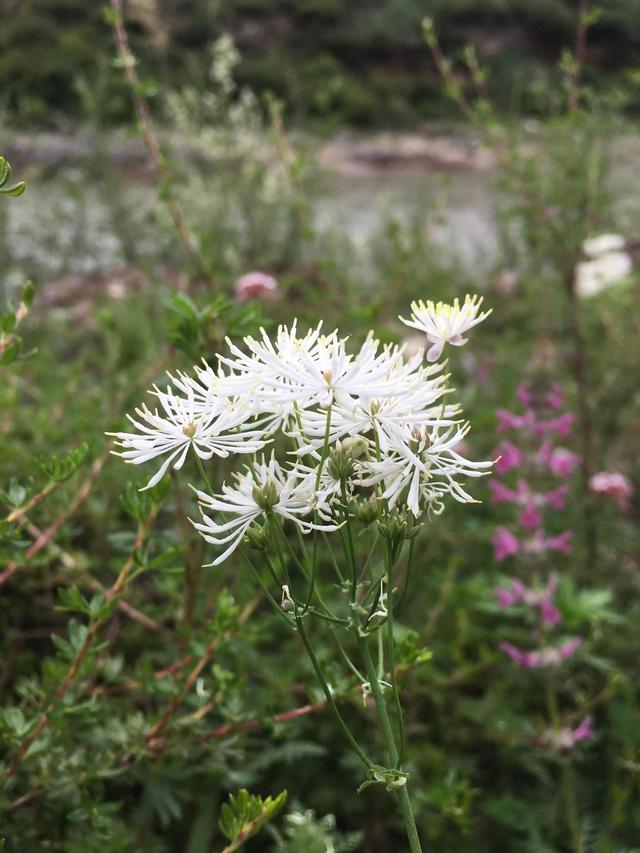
257, 537
398, 526
340, 464
367, 511
266, 497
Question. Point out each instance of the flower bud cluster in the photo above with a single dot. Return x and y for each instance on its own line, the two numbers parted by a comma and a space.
539, 462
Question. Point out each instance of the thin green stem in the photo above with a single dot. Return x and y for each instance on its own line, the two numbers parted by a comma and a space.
391, 653
329, 697
402, 793
203, 473
336, 567
266, 589
568, 787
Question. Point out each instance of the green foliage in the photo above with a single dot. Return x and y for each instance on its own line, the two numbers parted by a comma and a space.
201, 331
353, 62
304, 831
60, 468
5, 176
245, 814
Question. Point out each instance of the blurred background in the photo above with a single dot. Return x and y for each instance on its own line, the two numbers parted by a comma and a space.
199, 168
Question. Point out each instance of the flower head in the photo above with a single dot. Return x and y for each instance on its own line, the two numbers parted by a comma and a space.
445, 324
613, 485
255, 284
261, 491
183, 424
505, 544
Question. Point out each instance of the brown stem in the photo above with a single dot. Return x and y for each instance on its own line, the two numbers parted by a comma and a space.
17, 514
81, 654
156, 730
580, 54
163, 174
47, 535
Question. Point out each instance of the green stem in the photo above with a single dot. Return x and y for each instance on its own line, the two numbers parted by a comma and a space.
391, 652
568, 788
402, 793
203, 473
329, 697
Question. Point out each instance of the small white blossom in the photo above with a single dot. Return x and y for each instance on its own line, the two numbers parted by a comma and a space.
425, 464
265, 489
184, 423
445, 324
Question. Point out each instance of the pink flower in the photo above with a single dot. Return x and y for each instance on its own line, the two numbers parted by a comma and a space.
549, 613
517, 655
613, 485
560, 461
255, 284
504, 544
539, 543
501, 494
566, 737
546, 656
561, 542
561, 425
530, 517
557, 498
534, 598
509, 420
510, 457
584, 731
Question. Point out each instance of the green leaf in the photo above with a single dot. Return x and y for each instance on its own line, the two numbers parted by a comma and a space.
245, 814
60, 468
16, 493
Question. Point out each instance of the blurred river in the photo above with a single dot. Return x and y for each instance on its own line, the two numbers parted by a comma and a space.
64, 224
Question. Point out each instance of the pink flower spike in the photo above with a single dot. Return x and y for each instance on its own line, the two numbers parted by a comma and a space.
504, 544
524, 394
510, 457
613, 485
501, 494
530, 517
255, 284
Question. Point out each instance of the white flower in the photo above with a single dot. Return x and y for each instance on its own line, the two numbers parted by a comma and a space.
217, 429
425, 464
265, 489
593, 276
316, 369
445, 324
603, 244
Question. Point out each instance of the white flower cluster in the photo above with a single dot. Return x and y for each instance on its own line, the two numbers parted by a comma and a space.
374, 419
